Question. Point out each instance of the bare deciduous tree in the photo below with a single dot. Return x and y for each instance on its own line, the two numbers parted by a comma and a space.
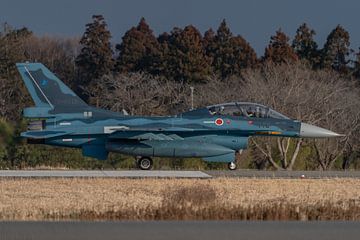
323, 98
139, 94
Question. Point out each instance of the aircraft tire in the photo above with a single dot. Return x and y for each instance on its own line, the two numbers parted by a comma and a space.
232, 166
145, 163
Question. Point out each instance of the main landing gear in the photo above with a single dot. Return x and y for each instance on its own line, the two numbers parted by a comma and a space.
144, 163
232, 165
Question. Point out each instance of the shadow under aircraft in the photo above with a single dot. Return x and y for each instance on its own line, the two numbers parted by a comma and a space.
214, 133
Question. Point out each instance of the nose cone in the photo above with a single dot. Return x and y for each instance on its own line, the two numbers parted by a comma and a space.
311, 131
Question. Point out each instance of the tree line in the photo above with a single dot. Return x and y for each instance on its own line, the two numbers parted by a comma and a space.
186, 55
148, 74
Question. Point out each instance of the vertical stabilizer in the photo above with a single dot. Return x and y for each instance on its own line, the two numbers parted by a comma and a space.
47, 90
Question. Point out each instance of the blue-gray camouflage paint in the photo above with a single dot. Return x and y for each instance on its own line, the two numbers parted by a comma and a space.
70, 122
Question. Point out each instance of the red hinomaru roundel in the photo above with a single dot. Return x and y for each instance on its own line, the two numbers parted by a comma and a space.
219, 121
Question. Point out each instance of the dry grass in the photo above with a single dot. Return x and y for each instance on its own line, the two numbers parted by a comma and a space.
150, 199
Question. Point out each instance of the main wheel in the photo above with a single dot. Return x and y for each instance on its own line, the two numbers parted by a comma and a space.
232, 165
145, 163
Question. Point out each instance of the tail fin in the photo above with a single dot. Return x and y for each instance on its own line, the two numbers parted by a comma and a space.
47, 90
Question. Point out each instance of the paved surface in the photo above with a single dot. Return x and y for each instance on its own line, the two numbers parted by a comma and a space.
178, 174
285, 174
209, 230
103, 174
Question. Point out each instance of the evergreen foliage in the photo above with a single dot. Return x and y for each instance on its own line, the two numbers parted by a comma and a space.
208, 43
279, 50
336, 50
11, 49
13, 95
96, 56
188, 58
228, 54
185, 57
139, 50
357, 65
305, 46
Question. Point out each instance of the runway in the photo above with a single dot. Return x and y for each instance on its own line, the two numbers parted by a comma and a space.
101, 174
285, 174
175, 174
164, 230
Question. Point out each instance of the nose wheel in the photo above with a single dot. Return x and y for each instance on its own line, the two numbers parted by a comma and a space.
144, 163
232, 165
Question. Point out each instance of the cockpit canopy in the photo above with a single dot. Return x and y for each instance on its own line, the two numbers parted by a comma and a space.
244, 109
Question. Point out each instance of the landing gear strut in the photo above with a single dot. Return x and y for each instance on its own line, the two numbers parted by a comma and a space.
232, 165
144, 163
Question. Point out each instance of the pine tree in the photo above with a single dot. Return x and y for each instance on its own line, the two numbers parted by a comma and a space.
139, 50
162, 65
243, 55
229, 54
208, 43
13, 95
12, 49
279, 51
209, 37
336, 50
305, 46
96, 57
223, 33
185, 58
221, 50
357, 65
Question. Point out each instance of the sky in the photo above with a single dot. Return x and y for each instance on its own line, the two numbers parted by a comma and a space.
255, 20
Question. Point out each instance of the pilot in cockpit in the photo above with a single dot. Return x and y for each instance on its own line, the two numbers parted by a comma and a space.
215, 110
212, 111
250, 112
221, 110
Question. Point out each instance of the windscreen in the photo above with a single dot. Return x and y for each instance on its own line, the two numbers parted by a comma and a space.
251, 110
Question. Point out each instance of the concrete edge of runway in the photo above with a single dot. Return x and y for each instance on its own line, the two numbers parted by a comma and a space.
100, 174
177, 174
250, 173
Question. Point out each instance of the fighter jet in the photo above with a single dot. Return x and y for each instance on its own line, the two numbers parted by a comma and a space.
213, 133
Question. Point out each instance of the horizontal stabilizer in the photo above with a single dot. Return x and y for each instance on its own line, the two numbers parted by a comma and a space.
37, 112
43, 134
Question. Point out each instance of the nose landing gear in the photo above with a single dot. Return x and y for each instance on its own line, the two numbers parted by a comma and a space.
144, 163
